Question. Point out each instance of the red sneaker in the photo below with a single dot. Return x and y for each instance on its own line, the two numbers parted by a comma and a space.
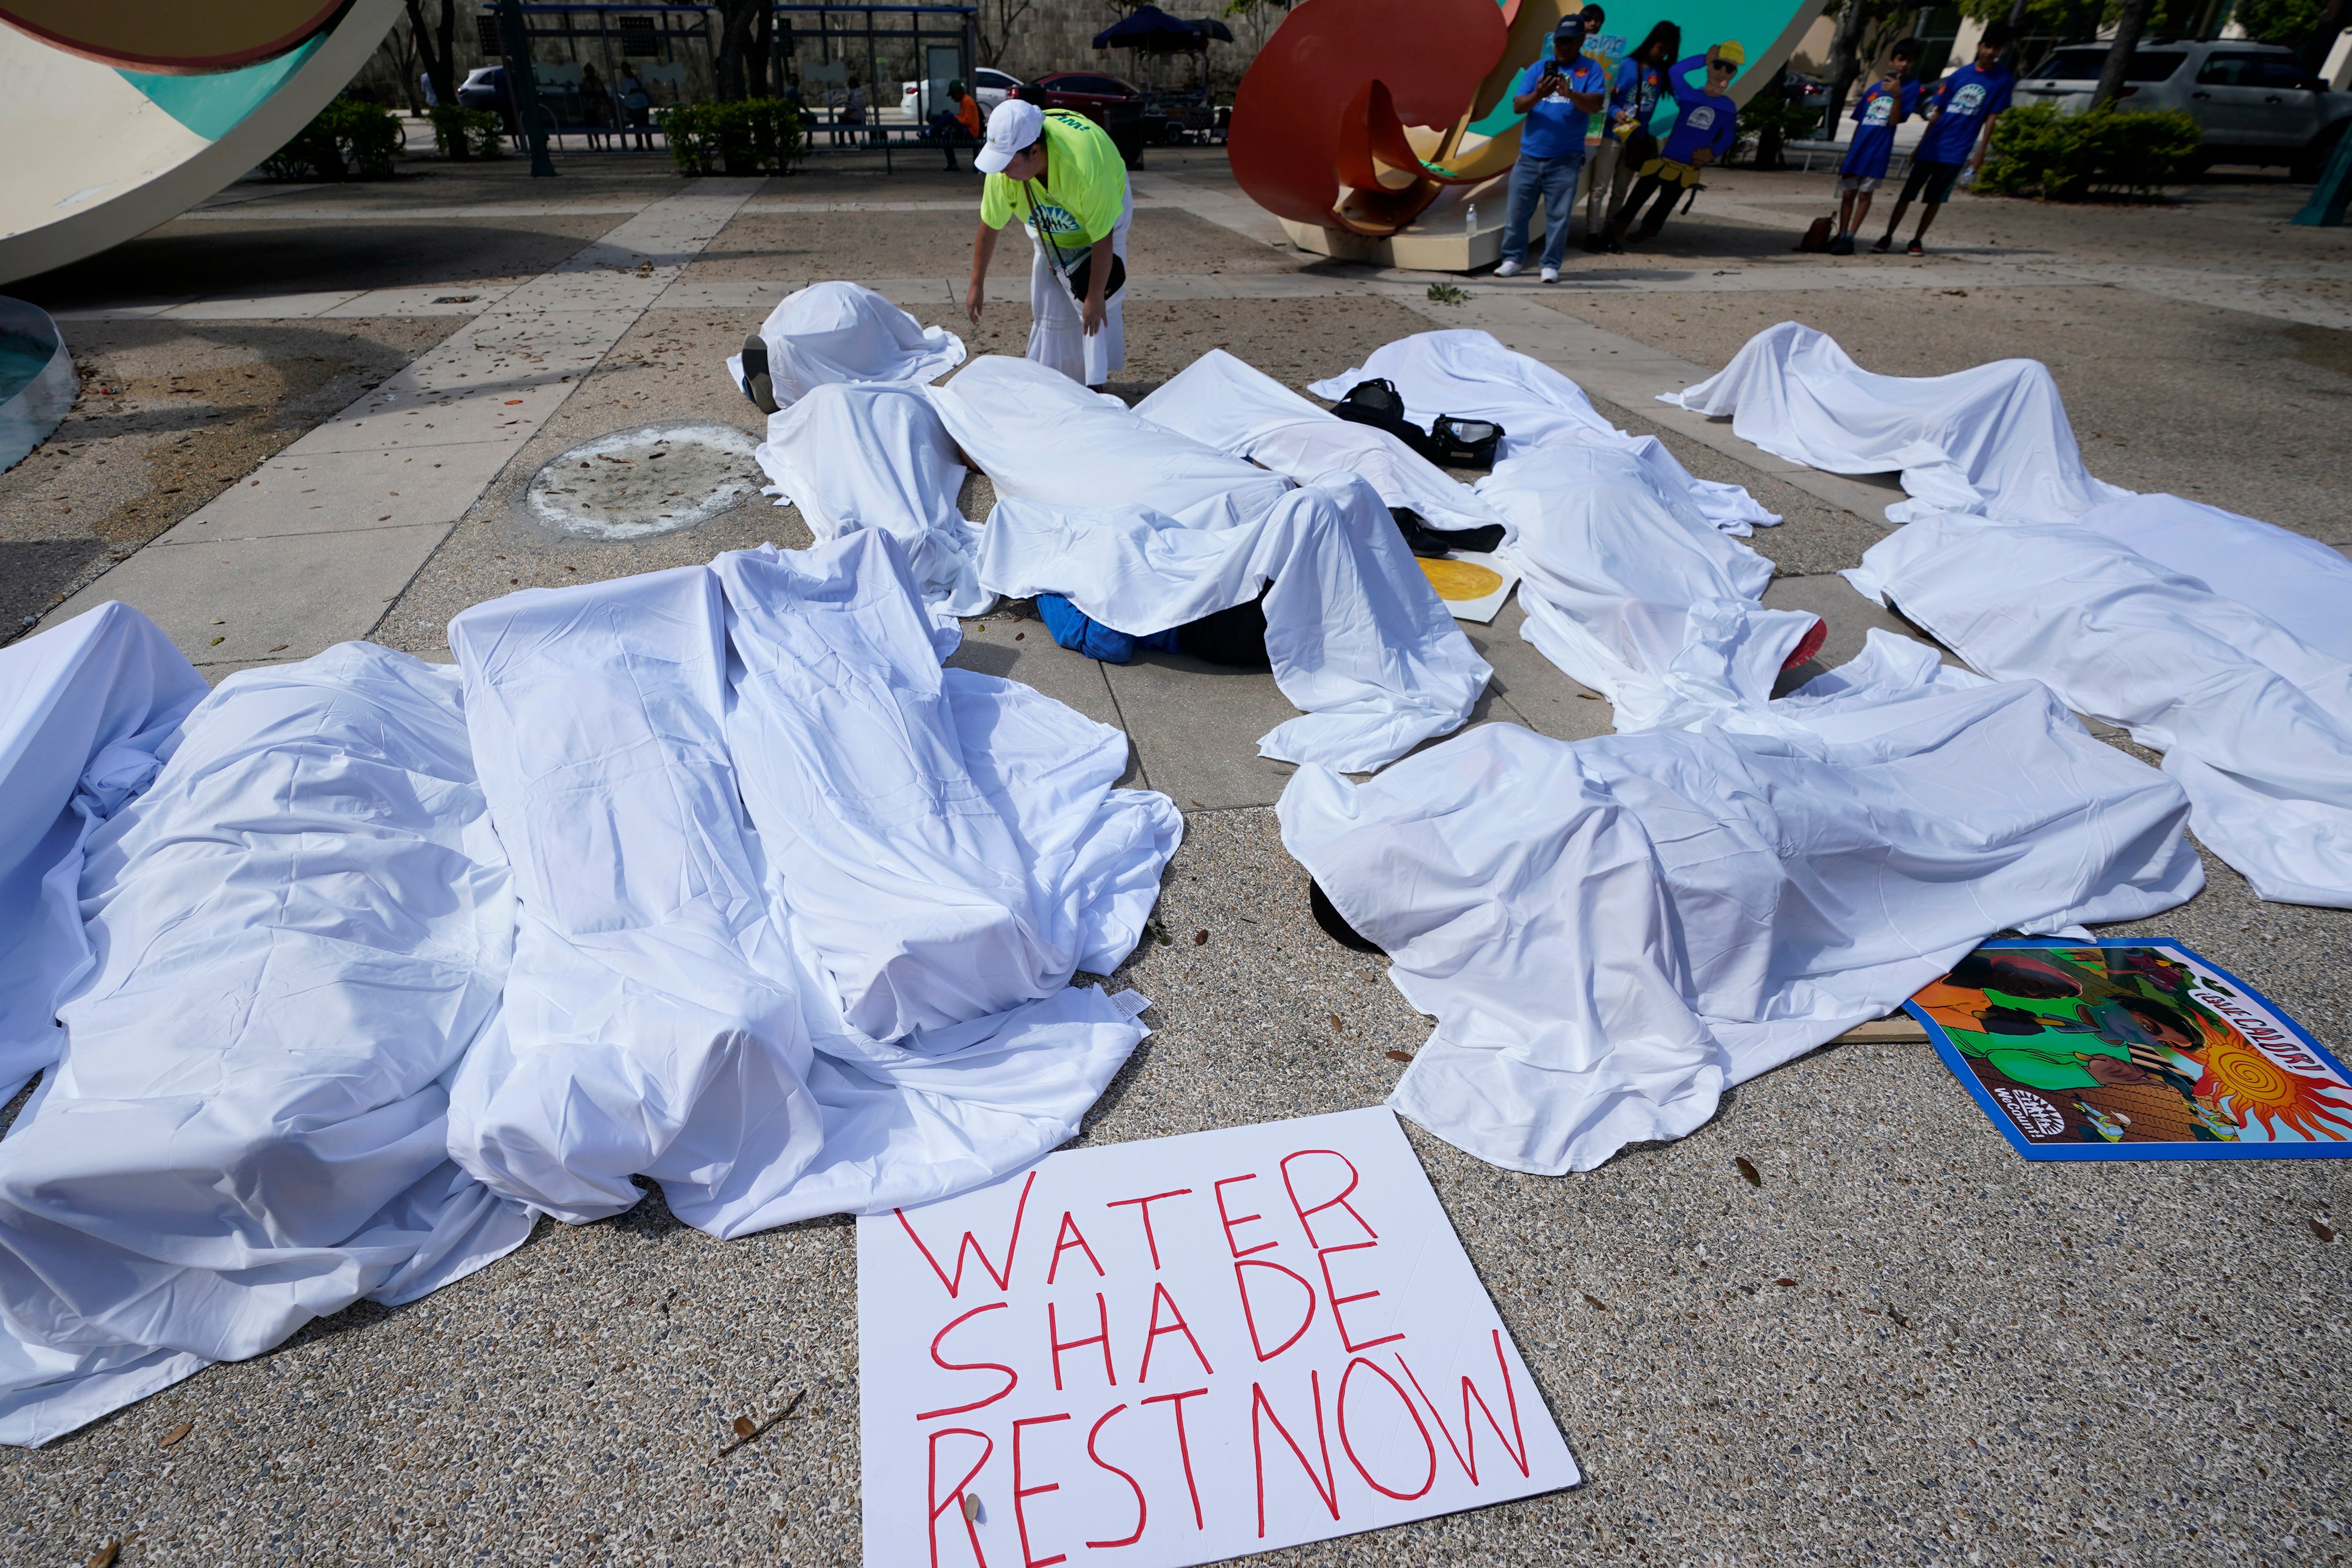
1809, 646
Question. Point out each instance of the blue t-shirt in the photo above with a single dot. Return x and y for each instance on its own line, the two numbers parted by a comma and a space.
1640, 90
1555, 127
1876, 114
1968, 98
1709, 120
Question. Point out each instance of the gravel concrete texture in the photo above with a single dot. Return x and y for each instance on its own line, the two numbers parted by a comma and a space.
170, 415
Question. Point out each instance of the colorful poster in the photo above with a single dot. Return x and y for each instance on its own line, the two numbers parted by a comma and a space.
1185, 1349
2133, 1050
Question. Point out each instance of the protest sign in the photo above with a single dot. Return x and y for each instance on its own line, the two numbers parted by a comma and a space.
1185, 1349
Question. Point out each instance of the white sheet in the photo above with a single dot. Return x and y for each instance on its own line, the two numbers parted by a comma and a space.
870, 456
1040, 436
1630, 588
1221, 401
1992, 439
2256, 723
798, 909
1612, 933
1467, 373
297, 929
1358, 640
830, 332
2299, 583
84, 709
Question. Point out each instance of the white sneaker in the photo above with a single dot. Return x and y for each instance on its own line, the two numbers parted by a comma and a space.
1507, 269
1551, 274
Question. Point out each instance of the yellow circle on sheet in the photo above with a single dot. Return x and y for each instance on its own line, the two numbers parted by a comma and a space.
1459, 579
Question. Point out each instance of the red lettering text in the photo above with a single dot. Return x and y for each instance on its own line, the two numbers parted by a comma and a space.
1020, 1492
1063, 1243
1469, 1462
1341, 1409
1012, 1378
1327, 1488
1159, 1294
1323, 1256
1232, 1224
1151, 1240
1053, 1338
1142, 1512
1249, 1311
1306, 1214
1175, 1402
955, 1499
1003, 1276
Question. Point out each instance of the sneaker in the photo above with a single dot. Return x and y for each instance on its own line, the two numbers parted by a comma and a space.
1507, 269
1841, 246
1884, 241
1551, 274
1613, 247
1914, 248
757, 385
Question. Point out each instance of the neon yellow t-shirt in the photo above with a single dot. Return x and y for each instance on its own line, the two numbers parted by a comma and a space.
1082, 194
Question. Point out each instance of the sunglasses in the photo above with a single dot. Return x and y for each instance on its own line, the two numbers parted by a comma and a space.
1721, 66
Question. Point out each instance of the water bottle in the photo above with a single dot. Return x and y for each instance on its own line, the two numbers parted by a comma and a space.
1470, 218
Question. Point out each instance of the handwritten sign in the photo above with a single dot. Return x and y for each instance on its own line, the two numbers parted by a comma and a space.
1182, 1350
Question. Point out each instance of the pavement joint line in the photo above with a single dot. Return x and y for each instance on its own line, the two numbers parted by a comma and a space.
307, 589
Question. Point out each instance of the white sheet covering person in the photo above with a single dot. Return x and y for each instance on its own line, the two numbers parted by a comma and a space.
1630, 589
831, 332
1467, 373
798, 909
85, 708
297, 930
1358, 640
2254, 723
1040, 436
2299, 583
1221, 401
1612, 933
864, 455
1992, 439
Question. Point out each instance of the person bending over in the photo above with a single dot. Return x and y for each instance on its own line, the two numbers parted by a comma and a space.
1061, 173
1705, 130
1959, 127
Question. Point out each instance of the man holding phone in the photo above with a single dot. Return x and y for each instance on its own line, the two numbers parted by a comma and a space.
1559, 95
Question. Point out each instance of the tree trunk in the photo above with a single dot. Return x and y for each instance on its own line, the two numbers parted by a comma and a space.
1845, 61
2127, 31
762, 53
437, 45
736, 20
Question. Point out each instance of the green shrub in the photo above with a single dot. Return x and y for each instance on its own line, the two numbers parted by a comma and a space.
2039, 152
1769, 122
756, 136
347, 140
461, 133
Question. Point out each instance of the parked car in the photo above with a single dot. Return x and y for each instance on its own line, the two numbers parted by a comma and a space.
485, 86
1809, 91
989, 85
1103, 99
2258, 103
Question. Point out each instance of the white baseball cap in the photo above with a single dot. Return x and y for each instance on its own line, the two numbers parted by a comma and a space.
1013, 125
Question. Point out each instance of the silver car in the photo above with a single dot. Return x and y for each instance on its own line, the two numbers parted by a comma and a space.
2257, 102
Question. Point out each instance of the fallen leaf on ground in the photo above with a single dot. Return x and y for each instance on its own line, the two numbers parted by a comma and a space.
1399, 1055
175, 1433
1335, 1022
105, 1555
1900, 1320
281, 648
1784, 1281
1748, 1172
745, 1425
1200, 939
1593, 1301
2322, 1230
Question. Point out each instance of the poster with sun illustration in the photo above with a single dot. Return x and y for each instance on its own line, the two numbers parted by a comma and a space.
1473, 584
2133, 1050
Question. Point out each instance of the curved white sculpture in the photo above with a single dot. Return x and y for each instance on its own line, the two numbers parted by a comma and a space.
97, 154
37, 379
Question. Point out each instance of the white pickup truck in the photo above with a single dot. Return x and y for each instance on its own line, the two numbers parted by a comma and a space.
2257, 102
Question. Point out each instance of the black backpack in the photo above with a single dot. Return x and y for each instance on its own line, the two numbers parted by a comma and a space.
1378, 405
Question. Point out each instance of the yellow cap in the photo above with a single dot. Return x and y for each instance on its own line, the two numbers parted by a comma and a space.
1729, 49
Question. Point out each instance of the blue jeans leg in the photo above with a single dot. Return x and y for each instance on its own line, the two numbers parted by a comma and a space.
1560, 206
1527, 186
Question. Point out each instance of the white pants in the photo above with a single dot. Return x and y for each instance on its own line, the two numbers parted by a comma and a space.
1057, 337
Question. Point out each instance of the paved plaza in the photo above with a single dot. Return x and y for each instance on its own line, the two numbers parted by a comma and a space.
1905, 1345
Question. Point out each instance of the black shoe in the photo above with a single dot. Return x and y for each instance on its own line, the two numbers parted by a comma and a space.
1613, 247
1914, 248
1841, 246
757, 386
1881, 247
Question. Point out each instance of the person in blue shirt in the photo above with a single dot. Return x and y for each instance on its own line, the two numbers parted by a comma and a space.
1884, 105
1959, 126
1559, 95
1706, 128
1625, 140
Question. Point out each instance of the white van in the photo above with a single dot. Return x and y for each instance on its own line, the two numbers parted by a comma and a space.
2257, 102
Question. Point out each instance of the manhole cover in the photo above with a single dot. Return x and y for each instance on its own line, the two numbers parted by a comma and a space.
654, 479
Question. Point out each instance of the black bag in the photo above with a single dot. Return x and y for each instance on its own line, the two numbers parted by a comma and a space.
1465, 443
1236, 636
1424, 540
1078, 277
1377, 405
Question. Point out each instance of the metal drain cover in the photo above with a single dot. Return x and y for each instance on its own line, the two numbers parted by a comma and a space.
649, 479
